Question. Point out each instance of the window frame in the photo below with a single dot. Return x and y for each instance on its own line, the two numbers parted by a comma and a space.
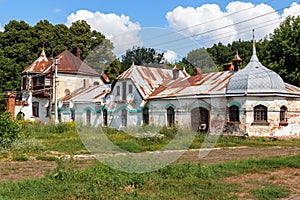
145, 113
35, 109
170, 116
88, 117
234, 114
260, 114
105, 119
283, 119
118, 92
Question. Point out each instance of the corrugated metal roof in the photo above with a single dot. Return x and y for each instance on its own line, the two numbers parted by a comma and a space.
208, 84
291, 89
39, 65
148, 79
69, 63
92, 94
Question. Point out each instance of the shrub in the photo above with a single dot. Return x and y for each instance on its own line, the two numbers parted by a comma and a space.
9, 129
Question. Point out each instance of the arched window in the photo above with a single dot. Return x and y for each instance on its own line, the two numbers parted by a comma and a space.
35, 109
88, 117
170, 116
124, 117
260, 113
234, 114
105, 117
283, 114
146, 116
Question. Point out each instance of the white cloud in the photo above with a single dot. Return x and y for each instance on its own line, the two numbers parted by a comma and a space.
118, 28
196, 19
170, 56
212, 25
293, 10
1, 29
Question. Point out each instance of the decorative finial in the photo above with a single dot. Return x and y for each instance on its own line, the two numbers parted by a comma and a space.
254, 47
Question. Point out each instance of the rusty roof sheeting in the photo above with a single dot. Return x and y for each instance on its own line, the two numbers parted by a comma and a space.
92, 94
203, 84
39, 65
69, 63
148, 79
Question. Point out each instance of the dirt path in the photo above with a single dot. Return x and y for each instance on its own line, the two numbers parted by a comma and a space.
15, 171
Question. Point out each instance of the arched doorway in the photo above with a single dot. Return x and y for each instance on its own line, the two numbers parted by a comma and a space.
199, 119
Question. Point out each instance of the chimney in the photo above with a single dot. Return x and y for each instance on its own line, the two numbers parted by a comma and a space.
228, 67
78, 52
11, 103
175, 71
196, 71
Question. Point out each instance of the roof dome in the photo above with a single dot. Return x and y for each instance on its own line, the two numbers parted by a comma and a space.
255, 78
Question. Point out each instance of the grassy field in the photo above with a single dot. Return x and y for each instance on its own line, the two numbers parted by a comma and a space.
262, 178
185, 181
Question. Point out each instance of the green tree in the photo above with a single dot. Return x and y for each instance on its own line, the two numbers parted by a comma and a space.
9, 129
284, 50
141, 56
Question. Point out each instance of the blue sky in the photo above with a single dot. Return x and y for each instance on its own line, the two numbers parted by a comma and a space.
204, 21
147, 13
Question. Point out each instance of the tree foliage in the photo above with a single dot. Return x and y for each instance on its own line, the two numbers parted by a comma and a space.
283, 50
21, 44
140, 56
9, 129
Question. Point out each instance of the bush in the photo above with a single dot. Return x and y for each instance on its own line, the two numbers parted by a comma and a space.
9, 129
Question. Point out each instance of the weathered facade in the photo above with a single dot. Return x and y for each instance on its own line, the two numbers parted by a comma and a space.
46, 80
253, 101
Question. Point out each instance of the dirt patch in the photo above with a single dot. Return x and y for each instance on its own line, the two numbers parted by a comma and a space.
221, 155
288, 178
13, 171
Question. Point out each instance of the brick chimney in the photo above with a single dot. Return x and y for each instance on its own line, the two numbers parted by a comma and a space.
196, 71
11, 103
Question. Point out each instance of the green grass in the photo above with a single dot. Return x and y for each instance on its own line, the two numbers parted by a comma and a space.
185, 181
270, 192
